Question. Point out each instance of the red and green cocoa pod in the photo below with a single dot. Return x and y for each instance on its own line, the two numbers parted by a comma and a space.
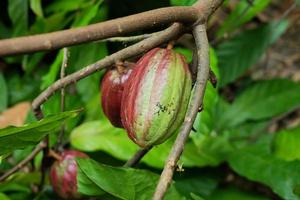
63, 175
156, 97
112, 86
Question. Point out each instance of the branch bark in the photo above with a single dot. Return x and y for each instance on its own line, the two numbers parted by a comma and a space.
107, 29
137, 157
170, 33
21, 164
202, 45
62, 96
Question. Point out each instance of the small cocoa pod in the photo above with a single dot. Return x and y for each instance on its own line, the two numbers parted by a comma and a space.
112, 86
63, 175
156, 96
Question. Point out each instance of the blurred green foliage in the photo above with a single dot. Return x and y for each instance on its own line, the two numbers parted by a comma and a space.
230, 136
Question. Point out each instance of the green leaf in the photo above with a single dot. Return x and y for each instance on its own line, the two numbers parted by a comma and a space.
94, 109
50, 77
101, 135
51, 23
124, 183
87, 15
29, 62
20, 182
91, 53
5, 31
182, 2
18, 13
242, 13
36, 7
287, 143
262, 100
197, 182
233, 193
188, 54
3, 96
67, 5
12, 138
281, 176
195, 197
244, 50
86, 186
204, 122
22, 88
214, 62
4, 197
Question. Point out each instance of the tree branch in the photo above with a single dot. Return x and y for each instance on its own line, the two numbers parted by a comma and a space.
107, 29
170, 33
21, 164
134, 38
62, 95
202, 45
137, 157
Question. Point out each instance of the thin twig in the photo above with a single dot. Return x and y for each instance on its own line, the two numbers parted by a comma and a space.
137, 157
62, 95
288, 11
49, 41
202, 45
168, 34
134, 38
21, 164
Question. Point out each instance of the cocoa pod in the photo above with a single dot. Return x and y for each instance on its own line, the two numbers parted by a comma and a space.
63, 174
155, 97
112, 86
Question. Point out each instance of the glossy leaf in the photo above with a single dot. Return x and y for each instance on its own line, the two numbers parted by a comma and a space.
197, 182
182, 2
18, 13
67, 5
287, 143
22, 88
262, 100
188, 54
4, 197
100, 135
29, 62
283, 177
36, 7
50, 77
244, 50
242, 13
87, 14
12, 138
3, 93
124, 183
233, 193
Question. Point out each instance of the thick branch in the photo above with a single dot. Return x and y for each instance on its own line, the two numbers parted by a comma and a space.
170, 33
107, 29
21, 164
202, 76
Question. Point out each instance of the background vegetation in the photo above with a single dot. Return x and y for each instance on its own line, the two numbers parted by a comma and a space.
246, 140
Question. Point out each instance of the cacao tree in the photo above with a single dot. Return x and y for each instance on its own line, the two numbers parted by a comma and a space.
179, 99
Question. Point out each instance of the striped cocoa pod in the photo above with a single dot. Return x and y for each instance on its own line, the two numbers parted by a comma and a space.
155, 97
63, 175
112, 86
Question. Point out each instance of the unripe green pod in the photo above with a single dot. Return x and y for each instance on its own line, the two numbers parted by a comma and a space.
156, 96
